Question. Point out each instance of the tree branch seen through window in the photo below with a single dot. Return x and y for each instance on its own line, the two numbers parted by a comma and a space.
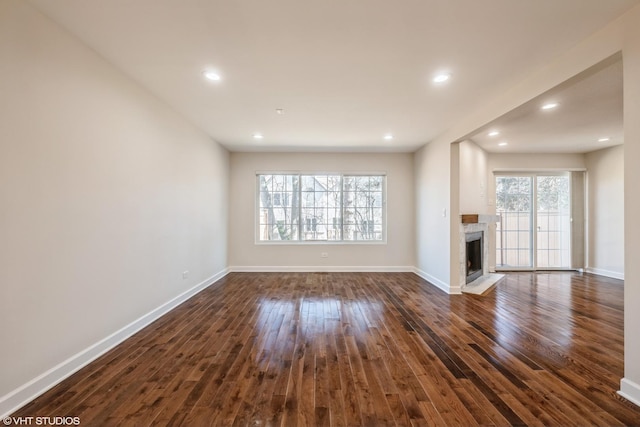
329, 207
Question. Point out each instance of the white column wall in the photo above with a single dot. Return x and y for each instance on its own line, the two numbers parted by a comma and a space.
630, 385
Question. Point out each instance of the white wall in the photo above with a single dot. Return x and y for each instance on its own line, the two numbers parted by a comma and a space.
605, 195
473, 179
432, 165
397, 253
106, 197
630, 384
538, 162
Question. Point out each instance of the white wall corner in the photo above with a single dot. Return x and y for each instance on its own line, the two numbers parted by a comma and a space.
24, 394
454, 290
630, 391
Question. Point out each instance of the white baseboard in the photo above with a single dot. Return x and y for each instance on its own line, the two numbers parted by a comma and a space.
606, 273
319, 269
346, 269
630, 391
438, 283
24, 394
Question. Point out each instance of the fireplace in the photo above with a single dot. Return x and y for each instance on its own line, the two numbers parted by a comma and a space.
474, 251
474, 248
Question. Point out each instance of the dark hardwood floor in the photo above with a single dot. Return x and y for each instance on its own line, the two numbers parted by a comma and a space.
372, 349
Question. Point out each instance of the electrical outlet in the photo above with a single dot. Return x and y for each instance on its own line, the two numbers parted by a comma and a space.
185, 274
324, 255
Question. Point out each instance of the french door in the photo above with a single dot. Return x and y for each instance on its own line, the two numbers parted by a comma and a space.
534, 230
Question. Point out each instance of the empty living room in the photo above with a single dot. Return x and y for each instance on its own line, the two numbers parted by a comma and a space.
338, 213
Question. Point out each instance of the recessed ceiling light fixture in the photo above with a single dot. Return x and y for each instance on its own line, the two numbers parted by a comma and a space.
211, 75
550, 106
388, 137
279, 111
441, 78
257, 136
605, 139
503, 144
494, 133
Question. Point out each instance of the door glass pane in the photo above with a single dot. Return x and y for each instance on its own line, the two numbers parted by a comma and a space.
553, 221
513, 231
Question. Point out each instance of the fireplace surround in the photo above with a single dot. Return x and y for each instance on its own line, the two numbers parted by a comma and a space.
479, 226
474, 249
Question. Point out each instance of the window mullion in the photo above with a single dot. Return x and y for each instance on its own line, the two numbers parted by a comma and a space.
342, 208
300, 207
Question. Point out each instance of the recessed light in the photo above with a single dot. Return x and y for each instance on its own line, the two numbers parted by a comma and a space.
279, 111
550, 105
441, 78
388, 137
211, 75
605, 139
494, 133
502, 144
257, 136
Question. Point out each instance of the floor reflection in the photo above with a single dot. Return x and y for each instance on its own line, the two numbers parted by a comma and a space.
548, 312
286, 327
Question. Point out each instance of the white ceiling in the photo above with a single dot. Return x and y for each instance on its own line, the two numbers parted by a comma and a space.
346, 72
590, 109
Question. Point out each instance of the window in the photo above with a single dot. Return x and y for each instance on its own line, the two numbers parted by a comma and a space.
321, 207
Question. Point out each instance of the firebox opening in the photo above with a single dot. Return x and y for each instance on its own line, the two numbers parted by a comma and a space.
474, 255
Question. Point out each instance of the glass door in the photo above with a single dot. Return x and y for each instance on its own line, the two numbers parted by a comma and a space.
553, 222
528, 202
514, 202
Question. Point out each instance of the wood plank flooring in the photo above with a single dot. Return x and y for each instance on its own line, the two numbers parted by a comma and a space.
374, 349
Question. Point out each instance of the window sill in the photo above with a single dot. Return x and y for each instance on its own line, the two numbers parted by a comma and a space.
320, 242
